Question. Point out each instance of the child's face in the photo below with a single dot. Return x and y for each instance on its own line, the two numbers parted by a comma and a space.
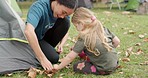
79, 26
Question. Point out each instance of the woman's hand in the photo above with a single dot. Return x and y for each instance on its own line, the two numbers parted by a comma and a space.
60, 46
46, 64
59, 49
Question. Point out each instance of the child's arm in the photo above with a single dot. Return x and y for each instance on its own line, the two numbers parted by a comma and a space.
116, 41
68, 59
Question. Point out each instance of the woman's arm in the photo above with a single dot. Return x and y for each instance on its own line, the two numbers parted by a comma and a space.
33, 41
68, 59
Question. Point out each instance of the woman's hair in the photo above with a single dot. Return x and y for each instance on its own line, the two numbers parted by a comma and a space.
72, 4
93, 27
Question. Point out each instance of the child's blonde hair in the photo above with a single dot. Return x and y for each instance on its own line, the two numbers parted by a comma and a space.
94, 27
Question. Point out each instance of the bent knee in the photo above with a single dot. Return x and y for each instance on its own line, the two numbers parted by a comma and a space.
54, 59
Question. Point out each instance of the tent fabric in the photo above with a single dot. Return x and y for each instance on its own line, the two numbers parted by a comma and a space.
132, 5
143, 8
15, 53
15, 6
85, 3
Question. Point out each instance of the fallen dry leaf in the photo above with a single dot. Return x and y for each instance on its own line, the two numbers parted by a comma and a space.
115, 25
141, 36
127, 54
68, 66
9, 75
129, 16
125, 12
126, 59
60, 60
139, 52
144, 63
107, 13
121, 72
50, 73
137, 44
62, 74
74, 40
145, 40
128, 51
125, 28
32, 73
67, 45
125, 33
145, 33
69, 38
131, 32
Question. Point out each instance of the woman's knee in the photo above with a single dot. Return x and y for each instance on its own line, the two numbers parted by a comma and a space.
54, 59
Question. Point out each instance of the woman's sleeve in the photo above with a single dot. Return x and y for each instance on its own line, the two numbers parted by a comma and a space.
34, 14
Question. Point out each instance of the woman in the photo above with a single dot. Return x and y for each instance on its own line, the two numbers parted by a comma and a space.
47, 24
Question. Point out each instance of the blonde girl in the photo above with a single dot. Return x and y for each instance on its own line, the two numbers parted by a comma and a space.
96, 41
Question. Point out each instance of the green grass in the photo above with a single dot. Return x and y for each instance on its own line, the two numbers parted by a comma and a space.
120, 24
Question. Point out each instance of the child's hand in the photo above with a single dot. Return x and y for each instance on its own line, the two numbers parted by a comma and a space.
55, 66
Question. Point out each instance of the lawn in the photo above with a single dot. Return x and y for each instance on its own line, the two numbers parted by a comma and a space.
131, 28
